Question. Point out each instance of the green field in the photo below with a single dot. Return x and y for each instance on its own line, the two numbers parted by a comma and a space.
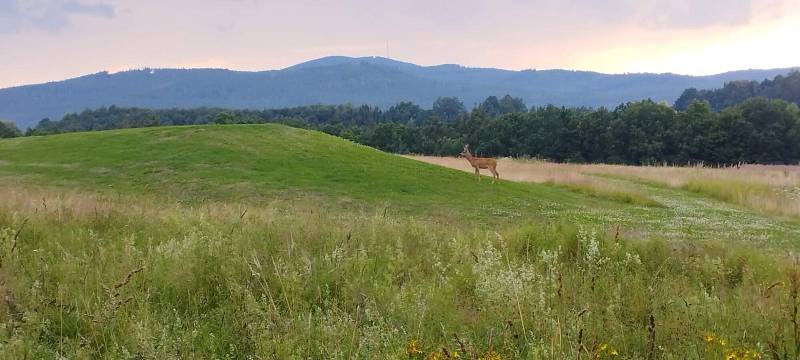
259, 163
264, 241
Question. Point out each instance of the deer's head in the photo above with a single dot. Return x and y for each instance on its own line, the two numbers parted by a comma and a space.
465, 152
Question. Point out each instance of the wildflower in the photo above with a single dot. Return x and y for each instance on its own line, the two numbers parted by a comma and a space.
413, 348
708, 338
491, 355
605, 350
742, 353
435, 356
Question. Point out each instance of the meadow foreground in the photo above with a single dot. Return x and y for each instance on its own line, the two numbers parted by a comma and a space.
268, 242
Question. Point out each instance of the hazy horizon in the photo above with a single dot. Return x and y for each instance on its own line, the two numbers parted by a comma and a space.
51, 40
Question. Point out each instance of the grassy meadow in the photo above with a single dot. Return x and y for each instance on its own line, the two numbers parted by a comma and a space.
770, 189
267, 242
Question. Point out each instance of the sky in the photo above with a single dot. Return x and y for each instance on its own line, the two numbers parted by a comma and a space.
47, 40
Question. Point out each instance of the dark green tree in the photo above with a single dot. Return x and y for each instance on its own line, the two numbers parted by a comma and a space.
694, 128
644, 132
9, 130
405, 113
735, 92
448, 109
225, 118
770, 123
510, 105
491, 106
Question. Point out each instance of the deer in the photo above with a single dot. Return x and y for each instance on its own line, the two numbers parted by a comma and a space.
481, 163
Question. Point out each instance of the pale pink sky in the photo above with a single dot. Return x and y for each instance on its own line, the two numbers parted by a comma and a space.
44, 40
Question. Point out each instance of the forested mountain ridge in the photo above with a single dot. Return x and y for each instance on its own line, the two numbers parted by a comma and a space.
781, 87
373, 81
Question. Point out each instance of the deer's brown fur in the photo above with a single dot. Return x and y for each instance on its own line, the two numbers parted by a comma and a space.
481, 163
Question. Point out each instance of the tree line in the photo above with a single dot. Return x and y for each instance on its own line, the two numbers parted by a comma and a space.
758, 130
781, 87
8, 130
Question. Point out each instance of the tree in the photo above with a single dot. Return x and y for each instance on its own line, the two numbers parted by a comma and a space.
448, 109
388, 137
794, 134
9, 130
432, 134
758, 130
594, 135
643, 127
770, 123
405, 113
687, 97
225, 118
693, 128
491, 106
735, 92
510, 105
726, 138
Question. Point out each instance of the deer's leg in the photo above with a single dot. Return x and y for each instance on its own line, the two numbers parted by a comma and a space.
478, 174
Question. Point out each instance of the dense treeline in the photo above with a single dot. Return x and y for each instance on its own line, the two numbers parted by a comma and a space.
8, 130
735, 92
758, 130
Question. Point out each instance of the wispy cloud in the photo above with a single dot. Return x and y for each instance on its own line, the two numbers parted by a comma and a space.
50, 15
661, 14
697, 14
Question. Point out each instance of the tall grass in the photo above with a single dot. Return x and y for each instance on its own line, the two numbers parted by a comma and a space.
769, 189
779, 201
90, 276
773, 190
563, 175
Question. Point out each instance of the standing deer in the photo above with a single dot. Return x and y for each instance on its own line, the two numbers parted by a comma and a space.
481, 163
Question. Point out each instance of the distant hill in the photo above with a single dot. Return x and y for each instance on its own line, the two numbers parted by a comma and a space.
734, 92
335, 80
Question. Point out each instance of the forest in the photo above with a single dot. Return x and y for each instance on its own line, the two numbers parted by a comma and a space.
758, 130
734, 92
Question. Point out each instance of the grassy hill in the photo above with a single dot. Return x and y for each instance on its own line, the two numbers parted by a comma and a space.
263, 241
258, 163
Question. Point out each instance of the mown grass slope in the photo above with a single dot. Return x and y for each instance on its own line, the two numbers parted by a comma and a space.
251, 163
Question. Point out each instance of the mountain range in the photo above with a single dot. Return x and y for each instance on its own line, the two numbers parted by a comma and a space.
338, 79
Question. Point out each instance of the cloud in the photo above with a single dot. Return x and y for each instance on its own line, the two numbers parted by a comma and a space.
76, 7
50, 15
684, 14
660, 14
